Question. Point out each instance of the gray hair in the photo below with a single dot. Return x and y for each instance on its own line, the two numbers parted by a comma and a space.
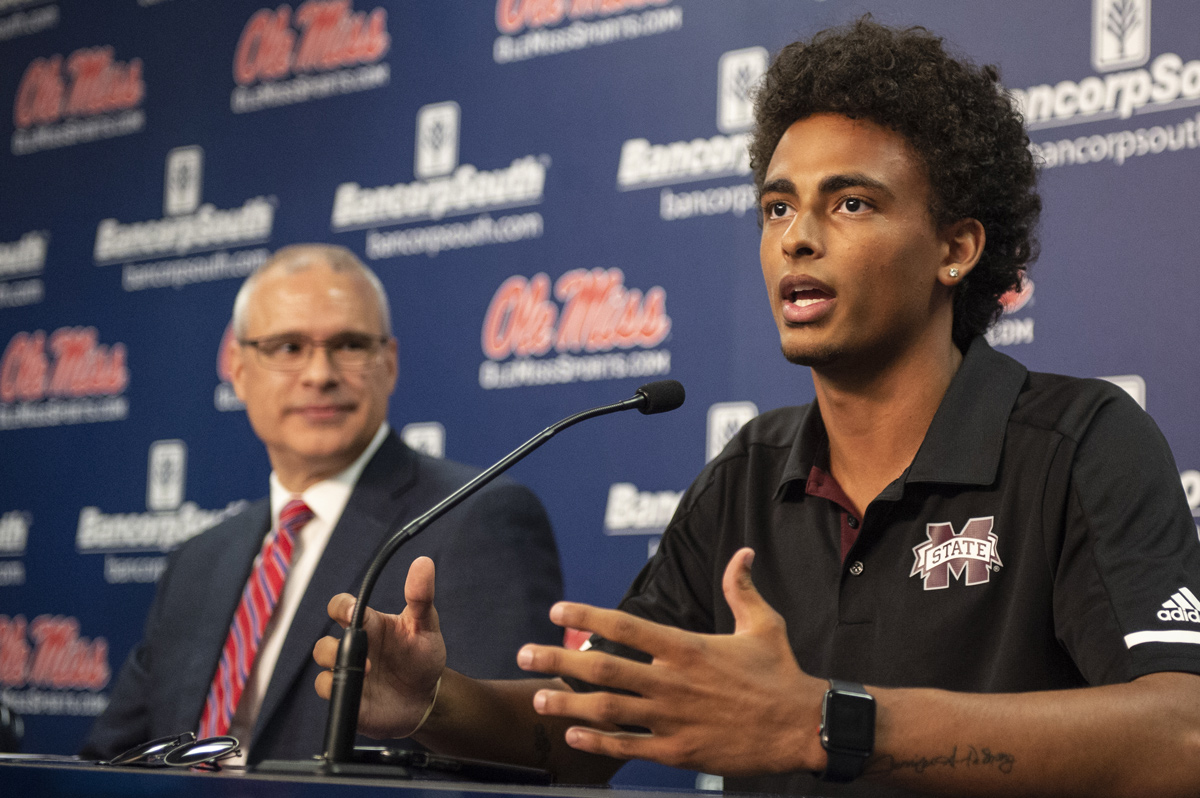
298, 257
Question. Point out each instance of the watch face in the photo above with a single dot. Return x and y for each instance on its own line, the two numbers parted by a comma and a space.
849, 722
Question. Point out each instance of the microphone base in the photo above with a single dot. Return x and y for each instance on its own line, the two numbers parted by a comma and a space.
319, 767
399, 763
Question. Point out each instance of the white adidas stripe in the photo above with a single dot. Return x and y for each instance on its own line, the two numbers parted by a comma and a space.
1167, 636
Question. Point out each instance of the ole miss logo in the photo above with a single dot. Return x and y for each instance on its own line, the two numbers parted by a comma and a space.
969, 555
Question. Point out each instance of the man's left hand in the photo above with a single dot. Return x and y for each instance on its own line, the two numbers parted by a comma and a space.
726, 704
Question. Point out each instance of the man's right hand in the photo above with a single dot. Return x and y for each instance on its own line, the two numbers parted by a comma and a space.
405, 657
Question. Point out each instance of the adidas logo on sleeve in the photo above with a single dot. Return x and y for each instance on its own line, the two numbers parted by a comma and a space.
1183, 606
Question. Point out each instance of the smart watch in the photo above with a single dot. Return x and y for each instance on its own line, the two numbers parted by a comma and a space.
847, 730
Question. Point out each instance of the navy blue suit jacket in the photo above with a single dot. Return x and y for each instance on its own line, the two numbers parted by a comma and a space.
497, 575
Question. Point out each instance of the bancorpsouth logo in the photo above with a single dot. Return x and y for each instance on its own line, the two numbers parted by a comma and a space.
85, 96
224, 398
1120, 49
169, 520
443, 186
644, 164
724, 421
14, 536
14, 532
21, 265
24, 257
1132, 384
26, 23
324, 48
1191, 488
1120, 34
598, 315
630, 511
739, 73
969, 555
437, 140
187, 227
534, 28
426, 437
67, 377
1010, 329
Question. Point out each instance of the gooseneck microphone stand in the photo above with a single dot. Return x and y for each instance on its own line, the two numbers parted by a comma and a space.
350, 669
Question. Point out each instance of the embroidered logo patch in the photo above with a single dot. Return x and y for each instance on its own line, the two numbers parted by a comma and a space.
948, 553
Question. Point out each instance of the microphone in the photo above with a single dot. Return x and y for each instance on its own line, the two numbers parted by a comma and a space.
350, 669
660, 397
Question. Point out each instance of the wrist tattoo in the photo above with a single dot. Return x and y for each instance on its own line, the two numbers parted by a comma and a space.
967, 757
541, 744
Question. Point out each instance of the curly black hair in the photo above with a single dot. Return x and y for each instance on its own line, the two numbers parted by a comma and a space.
956, 116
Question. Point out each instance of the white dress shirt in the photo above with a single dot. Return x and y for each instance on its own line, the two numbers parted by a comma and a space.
326, 499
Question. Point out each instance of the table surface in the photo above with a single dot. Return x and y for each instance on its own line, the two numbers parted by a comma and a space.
24, 777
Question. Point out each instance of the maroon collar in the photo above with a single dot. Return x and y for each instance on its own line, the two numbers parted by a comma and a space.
822, 485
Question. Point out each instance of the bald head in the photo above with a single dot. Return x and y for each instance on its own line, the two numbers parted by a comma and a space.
298, 257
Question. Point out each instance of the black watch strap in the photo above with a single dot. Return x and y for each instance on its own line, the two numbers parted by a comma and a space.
842, 767
847, 730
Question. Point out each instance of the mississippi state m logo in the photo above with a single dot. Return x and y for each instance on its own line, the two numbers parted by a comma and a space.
948, 553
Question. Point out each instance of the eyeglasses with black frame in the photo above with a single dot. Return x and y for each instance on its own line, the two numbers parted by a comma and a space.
348, 351
180, 750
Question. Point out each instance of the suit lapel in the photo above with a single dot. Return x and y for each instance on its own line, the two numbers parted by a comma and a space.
368, 518
232, 551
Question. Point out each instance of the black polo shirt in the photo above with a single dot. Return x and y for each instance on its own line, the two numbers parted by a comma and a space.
1040, 539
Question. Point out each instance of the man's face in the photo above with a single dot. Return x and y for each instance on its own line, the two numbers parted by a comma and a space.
317, 420
849, 251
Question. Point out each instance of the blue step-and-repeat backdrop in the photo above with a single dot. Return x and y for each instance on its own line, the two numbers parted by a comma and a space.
557, 196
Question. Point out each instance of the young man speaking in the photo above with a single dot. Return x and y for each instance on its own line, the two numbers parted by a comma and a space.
945, 575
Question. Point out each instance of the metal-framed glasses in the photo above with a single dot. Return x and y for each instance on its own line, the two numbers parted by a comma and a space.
179, 750
349, 351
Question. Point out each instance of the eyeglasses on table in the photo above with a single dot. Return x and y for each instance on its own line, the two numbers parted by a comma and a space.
180, 750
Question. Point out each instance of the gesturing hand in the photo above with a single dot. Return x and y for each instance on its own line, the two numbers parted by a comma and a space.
405, 656
727, 704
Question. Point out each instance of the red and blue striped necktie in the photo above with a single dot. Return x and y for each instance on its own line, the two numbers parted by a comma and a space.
253, 613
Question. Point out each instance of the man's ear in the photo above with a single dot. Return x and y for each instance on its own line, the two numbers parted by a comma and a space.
962, 243
235, 357
392, 353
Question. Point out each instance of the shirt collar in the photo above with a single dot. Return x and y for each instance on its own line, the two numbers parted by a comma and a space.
810, 449
965, 438
328, 497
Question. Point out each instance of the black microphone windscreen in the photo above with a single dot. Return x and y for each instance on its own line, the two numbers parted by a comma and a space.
661, 396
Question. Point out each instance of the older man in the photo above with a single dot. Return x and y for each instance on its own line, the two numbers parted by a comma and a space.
228, 641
